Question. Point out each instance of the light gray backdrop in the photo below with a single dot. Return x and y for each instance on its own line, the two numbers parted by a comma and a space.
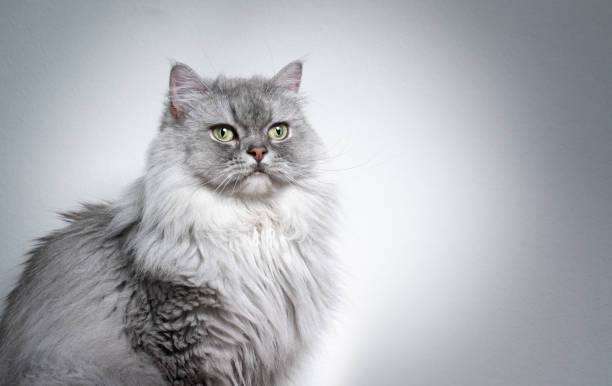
472, 144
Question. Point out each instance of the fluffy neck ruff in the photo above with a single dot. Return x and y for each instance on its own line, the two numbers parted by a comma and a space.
185, 225
266, 262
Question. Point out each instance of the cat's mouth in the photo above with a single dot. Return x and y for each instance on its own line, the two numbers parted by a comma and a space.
258, 170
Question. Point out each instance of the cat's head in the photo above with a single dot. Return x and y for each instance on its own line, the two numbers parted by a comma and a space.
246, 137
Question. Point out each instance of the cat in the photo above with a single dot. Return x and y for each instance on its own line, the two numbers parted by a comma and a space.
216, 267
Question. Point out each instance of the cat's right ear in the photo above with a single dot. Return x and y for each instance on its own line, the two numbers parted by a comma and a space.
184, 85
289, 77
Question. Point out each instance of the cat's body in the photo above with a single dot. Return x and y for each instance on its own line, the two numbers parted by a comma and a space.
188, 278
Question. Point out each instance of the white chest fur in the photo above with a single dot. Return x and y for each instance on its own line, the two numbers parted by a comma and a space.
268, 260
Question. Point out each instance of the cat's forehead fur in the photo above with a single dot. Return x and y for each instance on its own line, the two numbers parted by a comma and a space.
251, 102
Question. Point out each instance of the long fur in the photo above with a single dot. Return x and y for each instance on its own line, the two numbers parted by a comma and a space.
175, 283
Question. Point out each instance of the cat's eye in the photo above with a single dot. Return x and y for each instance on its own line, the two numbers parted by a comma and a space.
223, 133
278, 131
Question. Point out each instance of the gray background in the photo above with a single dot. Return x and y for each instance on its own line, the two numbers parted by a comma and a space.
472, 144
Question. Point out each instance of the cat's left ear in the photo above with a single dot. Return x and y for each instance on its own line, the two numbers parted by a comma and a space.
184, 84
289, 77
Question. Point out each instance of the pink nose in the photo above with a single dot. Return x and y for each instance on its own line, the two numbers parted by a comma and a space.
258, 153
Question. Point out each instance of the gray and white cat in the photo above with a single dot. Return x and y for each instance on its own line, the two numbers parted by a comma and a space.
214, 268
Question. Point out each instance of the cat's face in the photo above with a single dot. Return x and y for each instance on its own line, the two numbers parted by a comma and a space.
242, 136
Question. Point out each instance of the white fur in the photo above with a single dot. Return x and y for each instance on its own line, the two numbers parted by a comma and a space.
267, 257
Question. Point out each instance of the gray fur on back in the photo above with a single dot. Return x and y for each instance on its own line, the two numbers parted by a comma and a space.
203, 272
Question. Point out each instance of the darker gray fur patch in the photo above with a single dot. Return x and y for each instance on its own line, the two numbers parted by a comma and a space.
166, 321
170, 323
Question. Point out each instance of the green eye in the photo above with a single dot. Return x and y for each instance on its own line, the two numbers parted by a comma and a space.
223, 133
278, 131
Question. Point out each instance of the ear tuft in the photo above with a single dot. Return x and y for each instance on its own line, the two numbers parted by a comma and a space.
289, 77
184, 83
